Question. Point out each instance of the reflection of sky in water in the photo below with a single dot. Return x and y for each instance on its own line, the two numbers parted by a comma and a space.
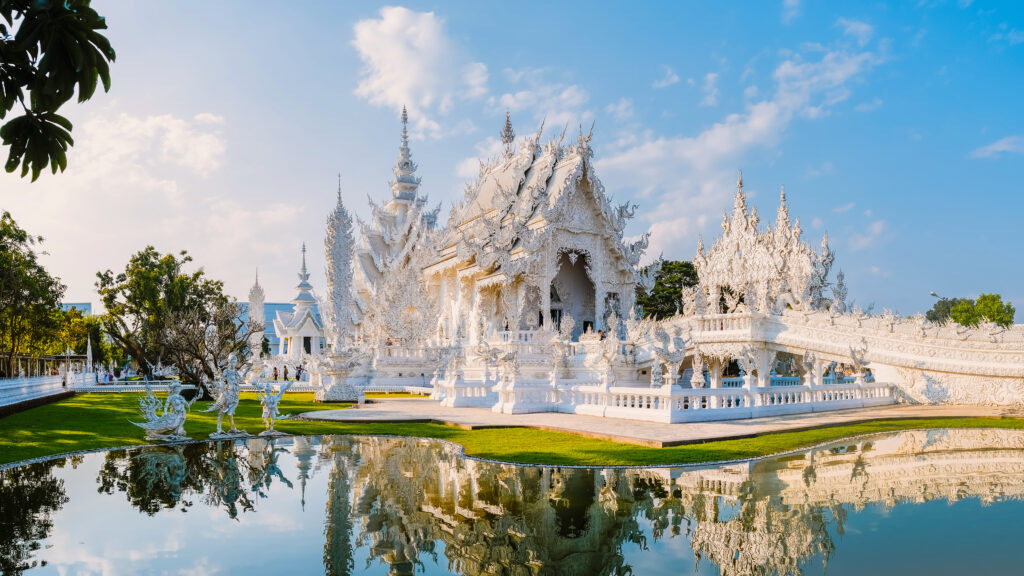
414, 494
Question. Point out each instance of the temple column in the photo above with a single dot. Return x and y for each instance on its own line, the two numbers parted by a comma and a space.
765, 358
599, 294
715, 372
474, 315
545, 302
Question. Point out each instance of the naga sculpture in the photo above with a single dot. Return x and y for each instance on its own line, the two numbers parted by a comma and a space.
170, 424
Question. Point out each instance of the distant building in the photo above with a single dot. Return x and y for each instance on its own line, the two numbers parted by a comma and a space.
83, 307
292, 328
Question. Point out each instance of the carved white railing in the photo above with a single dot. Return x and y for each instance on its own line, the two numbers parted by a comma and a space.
690, 404
785, 380
18, 390
517, 335
724, 322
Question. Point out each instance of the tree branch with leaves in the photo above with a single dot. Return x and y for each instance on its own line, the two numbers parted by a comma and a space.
49, 50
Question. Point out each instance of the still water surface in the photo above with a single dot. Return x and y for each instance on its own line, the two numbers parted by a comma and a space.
938, 502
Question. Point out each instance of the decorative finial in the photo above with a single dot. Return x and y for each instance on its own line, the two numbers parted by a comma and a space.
739, 180
257, 275
508, 135
405, 124
782, 194
304, 258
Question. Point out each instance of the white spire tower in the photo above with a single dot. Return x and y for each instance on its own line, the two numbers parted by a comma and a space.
257, 320
339, 246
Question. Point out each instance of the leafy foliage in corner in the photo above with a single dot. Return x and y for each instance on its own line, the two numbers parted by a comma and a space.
48, 50
664, 298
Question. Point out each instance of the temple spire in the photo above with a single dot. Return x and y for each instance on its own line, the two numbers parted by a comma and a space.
405, 128
406, 184
739, 180
508, 135
305, 296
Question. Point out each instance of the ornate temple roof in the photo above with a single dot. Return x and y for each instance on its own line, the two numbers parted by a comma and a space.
527, 190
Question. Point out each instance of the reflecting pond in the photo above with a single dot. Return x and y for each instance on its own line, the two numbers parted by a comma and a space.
937, 502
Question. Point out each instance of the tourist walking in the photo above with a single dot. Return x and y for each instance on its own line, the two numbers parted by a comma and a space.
275, 372
285, 372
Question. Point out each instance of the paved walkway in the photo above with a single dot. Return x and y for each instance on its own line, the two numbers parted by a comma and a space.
635, 431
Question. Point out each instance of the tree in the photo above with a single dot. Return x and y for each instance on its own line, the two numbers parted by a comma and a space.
664, 298
940, 312
29, 296
968, 312
48, 49
157, 312
198, 339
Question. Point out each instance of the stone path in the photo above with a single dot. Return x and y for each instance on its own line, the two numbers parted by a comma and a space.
634, 431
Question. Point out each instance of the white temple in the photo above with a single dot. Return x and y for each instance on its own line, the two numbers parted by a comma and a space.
300, 332
525, 301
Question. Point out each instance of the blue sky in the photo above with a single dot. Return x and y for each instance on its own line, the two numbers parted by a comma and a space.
895, 127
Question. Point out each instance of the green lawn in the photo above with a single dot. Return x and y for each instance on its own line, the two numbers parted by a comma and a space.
88, 421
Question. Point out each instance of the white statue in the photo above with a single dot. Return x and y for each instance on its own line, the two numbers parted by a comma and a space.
228, 386
170, 424
270, 403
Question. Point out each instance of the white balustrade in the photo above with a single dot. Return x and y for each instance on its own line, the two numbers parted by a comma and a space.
15, 390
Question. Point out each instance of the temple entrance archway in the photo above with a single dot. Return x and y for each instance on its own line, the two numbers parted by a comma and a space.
572, 291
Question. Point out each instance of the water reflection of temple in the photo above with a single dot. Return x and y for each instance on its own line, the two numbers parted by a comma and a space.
765, 517
410, 504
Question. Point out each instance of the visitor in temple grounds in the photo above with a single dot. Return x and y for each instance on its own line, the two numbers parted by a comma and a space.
600, 334
275, 372
285, 372
298, 373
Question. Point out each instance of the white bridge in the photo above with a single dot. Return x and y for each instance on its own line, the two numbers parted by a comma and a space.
676, 370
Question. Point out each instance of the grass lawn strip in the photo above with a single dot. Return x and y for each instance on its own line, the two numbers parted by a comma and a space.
93, 421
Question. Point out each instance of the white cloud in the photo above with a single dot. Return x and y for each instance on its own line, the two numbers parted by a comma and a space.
667, 80
710, 90
1007, 35
868, 236
556, 102
1010, 144
817, 223
469, 168
409, 60
859, 31
698, 171
823, 169
869, 106
621, 110
134, 181
790, 10
844, 208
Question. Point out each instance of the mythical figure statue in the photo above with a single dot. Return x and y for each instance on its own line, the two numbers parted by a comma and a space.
270, 403
170, 424
228, 386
